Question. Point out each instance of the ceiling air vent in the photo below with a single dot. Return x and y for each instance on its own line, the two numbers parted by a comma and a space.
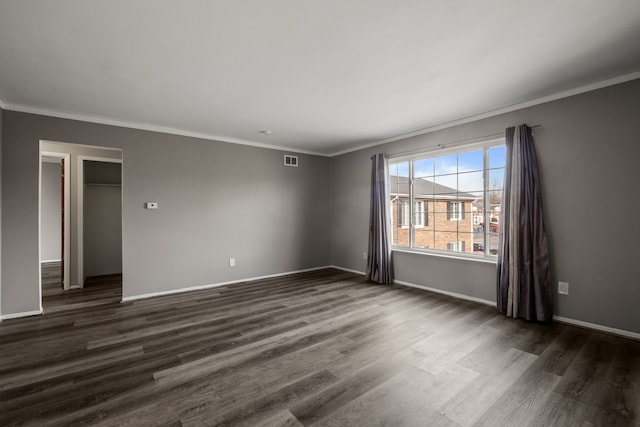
291, 160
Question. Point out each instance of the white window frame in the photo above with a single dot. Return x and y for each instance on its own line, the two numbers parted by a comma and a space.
485, 146
404, 213
457, 213
420, 213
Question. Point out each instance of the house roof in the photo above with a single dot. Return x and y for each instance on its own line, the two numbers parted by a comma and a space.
425, 189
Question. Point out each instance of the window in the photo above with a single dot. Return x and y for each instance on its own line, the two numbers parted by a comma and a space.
420, 213
449, 200
455, 246
404, 213
455, 211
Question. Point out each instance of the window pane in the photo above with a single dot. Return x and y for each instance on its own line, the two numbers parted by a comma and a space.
441, 221
447, 184
423, 168
478, 242
495, 199
400, 233
445, 240
465, 222
422, 188
446, 164
470, 161
393, 168
399, 170
466, 242
470, 181
493, 243
496, 179
423, 238
497, 157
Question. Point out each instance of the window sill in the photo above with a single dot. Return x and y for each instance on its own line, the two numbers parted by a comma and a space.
444, 255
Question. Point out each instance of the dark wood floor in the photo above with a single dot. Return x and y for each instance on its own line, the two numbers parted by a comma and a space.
322, 348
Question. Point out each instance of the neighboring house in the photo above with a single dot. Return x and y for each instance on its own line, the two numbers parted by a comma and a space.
478, 216
443, 217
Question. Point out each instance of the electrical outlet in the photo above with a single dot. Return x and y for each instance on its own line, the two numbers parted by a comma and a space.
563, 288
364, 256
232, 262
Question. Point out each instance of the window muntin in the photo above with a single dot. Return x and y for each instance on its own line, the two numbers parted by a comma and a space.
453, 199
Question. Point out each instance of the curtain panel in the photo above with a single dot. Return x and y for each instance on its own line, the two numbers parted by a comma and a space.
379, 265
523, 283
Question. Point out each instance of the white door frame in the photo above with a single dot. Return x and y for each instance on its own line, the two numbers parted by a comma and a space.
80, 208
67, 218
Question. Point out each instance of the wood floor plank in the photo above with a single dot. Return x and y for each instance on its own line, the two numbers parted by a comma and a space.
320, 348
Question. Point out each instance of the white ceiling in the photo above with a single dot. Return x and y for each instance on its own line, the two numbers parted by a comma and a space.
325, 76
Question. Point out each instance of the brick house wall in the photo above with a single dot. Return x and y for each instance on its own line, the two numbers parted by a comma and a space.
437, 219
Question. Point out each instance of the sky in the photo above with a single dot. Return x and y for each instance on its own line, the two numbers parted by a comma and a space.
462, 170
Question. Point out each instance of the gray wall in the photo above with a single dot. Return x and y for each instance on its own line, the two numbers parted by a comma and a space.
217, 201
588, 149
102, 230
51, 212
102, 218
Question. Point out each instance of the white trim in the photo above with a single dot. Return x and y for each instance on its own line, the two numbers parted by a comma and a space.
42, 261
440, 291
594, 326
215, 285
155, 128
362, 273
80, 207
73, 144
23, 314
444, 254
444, 125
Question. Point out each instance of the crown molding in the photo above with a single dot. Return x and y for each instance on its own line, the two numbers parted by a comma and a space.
445, 125
154, 128
421, 131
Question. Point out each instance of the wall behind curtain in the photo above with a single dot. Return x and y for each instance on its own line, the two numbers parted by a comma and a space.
588, 152
217, 201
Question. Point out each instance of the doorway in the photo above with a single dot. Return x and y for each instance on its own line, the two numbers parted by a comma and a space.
54, 221
100, 208
85, 248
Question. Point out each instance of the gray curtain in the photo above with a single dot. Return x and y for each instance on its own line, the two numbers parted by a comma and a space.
524, 284
379, 266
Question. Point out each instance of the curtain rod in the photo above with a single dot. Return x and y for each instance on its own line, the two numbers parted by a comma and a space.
452, 144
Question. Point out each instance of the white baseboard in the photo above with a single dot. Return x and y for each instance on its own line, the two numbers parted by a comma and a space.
451, 294
44, 261
595, 326
214, 285
560, 319
23, 314
362, 273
